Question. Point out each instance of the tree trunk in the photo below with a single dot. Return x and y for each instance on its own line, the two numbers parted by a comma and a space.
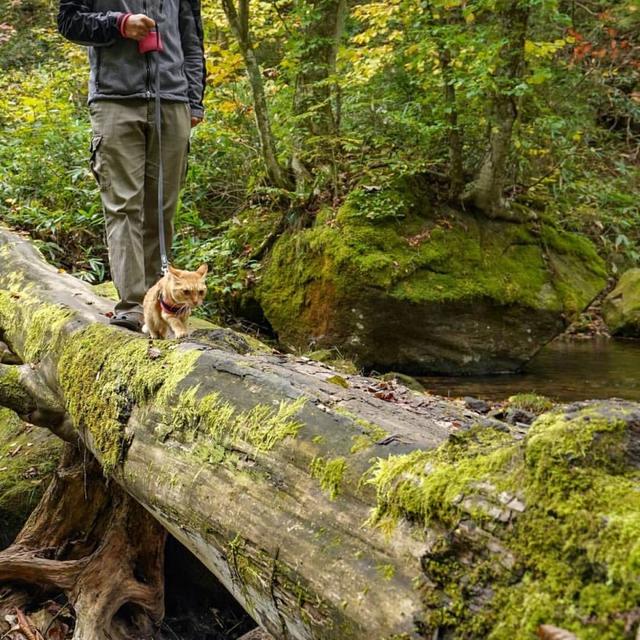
239, 24
486, 191
456, 171
315, 94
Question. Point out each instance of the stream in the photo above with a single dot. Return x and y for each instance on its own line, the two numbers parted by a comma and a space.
564, 370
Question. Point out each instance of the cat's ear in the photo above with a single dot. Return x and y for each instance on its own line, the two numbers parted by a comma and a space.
202, 270
173, 271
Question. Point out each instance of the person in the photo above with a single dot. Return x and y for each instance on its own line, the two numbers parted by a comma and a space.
124, 145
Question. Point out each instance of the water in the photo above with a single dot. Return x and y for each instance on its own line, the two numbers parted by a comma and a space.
564, 370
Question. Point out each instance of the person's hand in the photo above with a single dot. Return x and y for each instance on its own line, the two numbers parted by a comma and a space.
138, 26
195, 121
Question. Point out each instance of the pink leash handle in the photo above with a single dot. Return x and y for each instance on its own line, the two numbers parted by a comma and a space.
151, 42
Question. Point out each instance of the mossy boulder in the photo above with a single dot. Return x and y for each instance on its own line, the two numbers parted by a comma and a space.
28, 456
621, 308
398, 283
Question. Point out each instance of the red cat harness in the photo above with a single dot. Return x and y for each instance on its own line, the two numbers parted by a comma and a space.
172, 310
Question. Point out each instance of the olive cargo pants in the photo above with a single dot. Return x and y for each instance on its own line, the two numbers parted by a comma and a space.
124, 161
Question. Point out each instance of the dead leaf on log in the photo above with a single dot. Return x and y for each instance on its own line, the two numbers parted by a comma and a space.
415, 241
549, 632
154, 353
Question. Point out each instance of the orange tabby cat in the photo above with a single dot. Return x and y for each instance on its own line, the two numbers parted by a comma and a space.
168, 304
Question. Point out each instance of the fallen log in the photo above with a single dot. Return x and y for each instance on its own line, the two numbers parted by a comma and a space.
333, 506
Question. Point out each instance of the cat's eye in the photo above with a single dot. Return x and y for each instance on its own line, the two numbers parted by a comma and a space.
185, 291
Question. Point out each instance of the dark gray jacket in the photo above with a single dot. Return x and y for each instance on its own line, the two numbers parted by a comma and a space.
118, 71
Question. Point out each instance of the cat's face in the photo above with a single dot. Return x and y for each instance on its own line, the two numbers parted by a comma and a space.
187, 287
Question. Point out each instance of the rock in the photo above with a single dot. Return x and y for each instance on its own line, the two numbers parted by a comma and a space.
397, 284
477, 404
621, 308
519, 416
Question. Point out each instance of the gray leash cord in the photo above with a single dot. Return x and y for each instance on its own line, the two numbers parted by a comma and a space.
158, 117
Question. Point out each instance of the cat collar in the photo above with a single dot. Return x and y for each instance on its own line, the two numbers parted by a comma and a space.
173, 310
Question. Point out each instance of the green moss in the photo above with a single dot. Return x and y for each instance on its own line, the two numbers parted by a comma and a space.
372, 433
214, 424
106, 290
338, 380
330, 474
574, 549
246, 572
408, 381
386, 571
44, 323
621, 308
44, 331
532, 402
105, 373
423, 486
12, 393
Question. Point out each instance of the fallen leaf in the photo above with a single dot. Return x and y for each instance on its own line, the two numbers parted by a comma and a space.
549, 632
154, 353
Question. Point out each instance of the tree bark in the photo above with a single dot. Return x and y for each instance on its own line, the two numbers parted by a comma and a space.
239, 23
456, 170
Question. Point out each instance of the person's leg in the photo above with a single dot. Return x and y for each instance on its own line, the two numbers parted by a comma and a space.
118, 163
176, 125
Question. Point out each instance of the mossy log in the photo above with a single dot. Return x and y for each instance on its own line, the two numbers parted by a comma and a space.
331, 506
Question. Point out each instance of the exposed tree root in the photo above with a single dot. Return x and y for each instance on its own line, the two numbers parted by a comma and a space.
95, 545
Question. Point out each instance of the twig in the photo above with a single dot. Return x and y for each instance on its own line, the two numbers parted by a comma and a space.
60, 610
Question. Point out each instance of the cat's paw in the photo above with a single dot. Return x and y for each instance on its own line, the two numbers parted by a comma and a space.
145, 329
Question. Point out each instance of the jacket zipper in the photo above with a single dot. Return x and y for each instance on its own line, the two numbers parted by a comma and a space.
98, 61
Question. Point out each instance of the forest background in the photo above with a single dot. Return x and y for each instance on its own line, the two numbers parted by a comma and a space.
517, 109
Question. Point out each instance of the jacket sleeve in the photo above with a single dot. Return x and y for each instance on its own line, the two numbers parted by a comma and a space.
78, 23
192, 38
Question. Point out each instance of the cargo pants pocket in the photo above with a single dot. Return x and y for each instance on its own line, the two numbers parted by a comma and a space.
97, 163
185, 170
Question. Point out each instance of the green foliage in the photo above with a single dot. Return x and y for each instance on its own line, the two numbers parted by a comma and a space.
571, 161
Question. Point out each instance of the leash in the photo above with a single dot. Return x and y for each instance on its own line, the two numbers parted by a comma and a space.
164, 261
